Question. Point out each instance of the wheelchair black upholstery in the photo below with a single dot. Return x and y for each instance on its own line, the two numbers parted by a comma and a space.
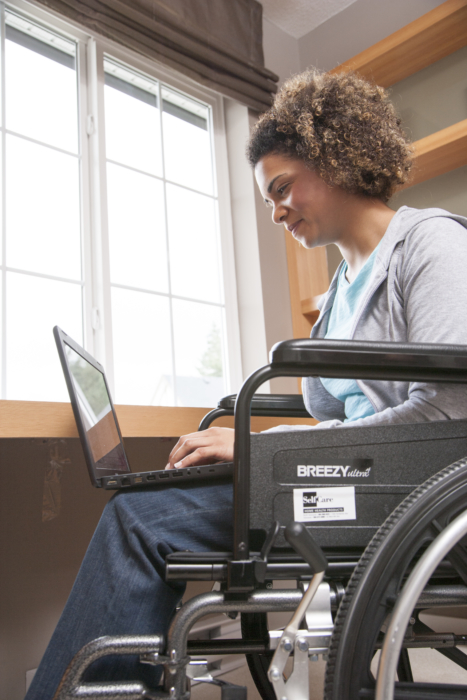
386, 462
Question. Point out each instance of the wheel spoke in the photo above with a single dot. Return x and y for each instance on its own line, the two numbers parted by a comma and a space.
456, 556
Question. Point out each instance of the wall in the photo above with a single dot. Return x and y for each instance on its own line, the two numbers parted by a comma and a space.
48, 513
433, 98
359, 26
281, 56
275, 285
260, 257
281, 51
428, 101
246, 245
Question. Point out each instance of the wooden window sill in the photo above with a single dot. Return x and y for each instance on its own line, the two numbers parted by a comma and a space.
32, 419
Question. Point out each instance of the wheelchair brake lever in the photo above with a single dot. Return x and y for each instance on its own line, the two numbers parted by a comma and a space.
299, 537
261, 562
270, 539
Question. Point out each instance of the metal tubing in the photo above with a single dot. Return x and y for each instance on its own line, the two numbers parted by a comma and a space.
407, 600
299, 613
208, 647
241, 548
214, 602
275, 570
214, 415
70, 686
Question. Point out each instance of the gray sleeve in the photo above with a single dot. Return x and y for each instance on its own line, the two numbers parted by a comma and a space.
432, 279
433, 283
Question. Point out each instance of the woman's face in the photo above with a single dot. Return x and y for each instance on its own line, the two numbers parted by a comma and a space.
310, 209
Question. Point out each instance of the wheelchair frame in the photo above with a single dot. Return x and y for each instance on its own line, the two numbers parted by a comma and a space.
244, 572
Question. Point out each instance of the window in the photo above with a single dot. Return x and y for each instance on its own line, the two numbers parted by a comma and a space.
111, 225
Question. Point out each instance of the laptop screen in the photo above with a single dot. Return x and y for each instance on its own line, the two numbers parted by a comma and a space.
96, 414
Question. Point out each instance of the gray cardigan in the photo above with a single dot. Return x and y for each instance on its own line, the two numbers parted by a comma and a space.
417, 294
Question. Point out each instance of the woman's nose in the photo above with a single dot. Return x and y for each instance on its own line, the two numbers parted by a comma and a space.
279, 213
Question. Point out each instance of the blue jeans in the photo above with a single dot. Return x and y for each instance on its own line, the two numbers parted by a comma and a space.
120, 587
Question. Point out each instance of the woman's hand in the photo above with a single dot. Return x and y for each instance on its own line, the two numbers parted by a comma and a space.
204, 447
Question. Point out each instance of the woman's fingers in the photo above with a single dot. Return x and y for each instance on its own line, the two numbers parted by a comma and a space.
205, 447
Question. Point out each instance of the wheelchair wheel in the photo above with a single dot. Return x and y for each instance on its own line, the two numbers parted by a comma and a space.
255, 627
377, 580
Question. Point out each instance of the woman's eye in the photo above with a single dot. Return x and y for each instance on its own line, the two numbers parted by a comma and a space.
281, 190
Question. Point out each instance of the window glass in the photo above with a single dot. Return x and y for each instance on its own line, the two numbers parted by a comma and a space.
40, 84
41, 236
1, 227
193, 241
199, 353
42, 209
142, 348
34, 305
132, 122
2, 389
137, 235
187, 148
163, 237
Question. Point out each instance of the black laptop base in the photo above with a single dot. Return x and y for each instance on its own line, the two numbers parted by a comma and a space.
167, 476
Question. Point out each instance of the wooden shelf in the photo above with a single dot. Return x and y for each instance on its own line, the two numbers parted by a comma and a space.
440, 153
308, 278
429, 38
37, 419
309, 308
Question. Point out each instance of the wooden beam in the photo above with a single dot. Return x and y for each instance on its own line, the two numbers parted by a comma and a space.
308, 279
36, 419
429, 38
301, 326
440, 153
309, 308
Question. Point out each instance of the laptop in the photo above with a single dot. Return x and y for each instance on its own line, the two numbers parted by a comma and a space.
99, 431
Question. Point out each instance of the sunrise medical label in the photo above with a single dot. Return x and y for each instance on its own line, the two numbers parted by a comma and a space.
317, 504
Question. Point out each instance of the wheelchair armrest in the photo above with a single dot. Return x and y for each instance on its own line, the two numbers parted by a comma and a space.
356, 359
270, 404
290, 405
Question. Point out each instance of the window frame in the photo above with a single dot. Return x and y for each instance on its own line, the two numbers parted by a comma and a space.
97, 322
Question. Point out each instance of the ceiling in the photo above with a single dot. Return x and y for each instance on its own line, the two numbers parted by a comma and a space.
298, 17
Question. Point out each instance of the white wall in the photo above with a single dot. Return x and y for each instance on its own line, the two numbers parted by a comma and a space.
359, 26
281, 53
275, 284
251, 311
260, 257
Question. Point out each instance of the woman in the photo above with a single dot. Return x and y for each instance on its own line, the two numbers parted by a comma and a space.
327, 157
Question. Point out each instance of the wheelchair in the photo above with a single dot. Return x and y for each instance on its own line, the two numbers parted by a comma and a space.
368, 521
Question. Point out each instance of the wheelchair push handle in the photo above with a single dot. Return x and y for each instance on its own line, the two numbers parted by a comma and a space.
300, 539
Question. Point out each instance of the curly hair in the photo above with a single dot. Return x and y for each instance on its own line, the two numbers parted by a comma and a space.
342, 126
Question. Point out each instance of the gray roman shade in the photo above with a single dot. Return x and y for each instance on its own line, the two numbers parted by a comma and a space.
216, 42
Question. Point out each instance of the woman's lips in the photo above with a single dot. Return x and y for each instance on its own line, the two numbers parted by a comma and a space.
293, 228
